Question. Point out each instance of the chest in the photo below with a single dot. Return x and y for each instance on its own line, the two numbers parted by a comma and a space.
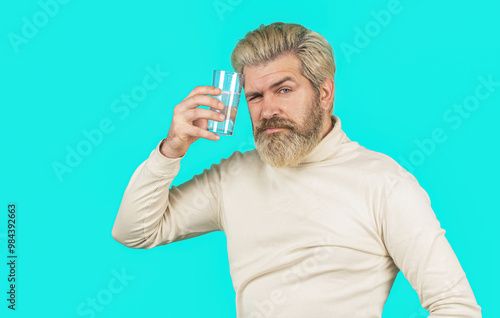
274, 212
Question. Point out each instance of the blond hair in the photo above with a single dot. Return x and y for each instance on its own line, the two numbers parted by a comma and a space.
266, 43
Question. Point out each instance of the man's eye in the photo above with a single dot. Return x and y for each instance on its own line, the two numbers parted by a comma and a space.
282, 89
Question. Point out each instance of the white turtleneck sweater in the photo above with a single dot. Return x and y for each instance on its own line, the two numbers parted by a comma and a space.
323, 239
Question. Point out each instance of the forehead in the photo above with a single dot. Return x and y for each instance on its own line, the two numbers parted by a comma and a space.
258, 77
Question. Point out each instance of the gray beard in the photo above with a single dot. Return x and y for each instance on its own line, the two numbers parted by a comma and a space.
287, 147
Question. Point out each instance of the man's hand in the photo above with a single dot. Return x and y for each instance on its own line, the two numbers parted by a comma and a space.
190, 123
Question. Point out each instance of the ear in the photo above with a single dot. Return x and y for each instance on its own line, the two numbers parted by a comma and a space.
327, 93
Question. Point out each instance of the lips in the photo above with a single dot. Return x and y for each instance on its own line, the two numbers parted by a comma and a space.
270, 130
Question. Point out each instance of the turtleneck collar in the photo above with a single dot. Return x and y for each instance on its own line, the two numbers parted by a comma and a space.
334, 146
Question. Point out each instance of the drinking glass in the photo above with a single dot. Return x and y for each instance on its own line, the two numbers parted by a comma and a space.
230, 85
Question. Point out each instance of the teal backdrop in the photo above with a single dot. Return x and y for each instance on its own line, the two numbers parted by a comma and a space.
88, 89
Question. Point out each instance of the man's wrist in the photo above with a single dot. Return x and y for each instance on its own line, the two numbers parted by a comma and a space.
165, 151
160, 165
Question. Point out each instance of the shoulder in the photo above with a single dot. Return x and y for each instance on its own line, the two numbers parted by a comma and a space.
248, 158
242, 157
380, 168
396, 188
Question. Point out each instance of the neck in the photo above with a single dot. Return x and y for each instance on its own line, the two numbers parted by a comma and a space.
327, 126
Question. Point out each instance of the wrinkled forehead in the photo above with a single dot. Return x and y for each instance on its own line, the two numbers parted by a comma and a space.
269, 71
261, 83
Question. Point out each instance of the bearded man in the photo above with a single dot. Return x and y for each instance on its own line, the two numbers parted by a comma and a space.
316, 224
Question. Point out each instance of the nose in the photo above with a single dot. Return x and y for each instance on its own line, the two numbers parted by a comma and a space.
270, 107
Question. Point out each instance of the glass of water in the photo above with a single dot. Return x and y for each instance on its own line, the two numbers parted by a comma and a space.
230, 84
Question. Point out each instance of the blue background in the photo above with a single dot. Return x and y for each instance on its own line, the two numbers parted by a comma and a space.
392, 91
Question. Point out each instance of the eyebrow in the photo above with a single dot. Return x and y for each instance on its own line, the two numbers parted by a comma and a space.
278, 83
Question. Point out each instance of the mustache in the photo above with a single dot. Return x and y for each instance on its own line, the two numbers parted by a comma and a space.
274, 122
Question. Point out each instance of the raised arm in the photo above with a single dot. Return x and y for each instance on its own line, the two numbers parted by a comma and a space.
415, 240
151, 213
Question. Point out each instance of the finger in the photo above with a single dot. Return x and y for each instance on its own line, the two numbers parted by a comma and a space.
200, 113
201, 133
198, 100
205, 90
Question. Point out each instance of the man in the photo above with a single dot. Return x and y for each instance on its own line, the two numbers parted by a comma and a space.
316, 224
